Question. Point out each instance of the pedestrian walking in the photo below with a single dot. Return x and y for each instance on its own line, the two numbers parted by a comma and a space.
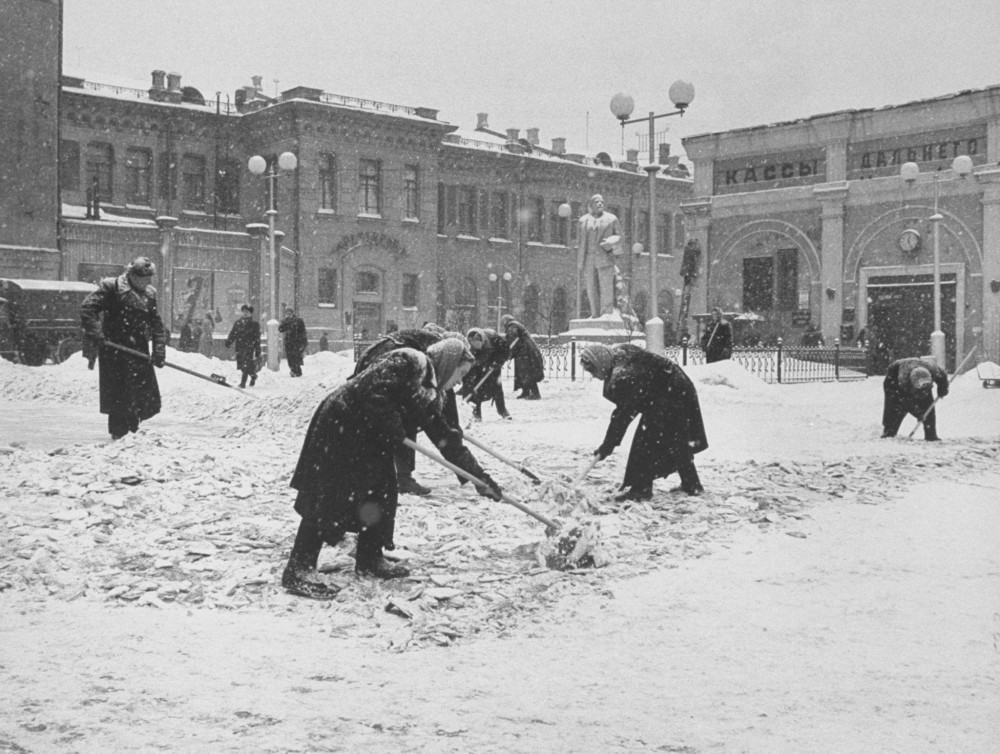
717, 340
345, 477
482, 383
529, 365
123, 311
405, 458
908, 388
245, 335
670, 431
324, 342
296, 341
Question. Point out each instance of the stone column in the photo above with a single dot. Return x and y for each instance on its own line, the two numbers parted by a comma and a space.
831, 197
168, 240
257, 290
697, 223
991, 264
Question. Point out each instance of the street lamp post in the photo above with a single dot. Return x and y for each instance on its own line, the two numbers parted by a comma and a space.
495, 278
961, 166
258, 165
681, 93
565, 212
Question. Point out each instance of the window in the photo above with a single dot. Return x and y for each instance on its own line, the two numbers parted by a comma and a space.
787, 279
138, 172
663, 243
536, 220
168, 175
574, 222
483, 214
758, 284
532, 305
370, 187
227, 187
100, 158
642, 234
441, 212
557, 225
411, 291
560, 310
679, 232
193, 182
328, 181
467, 210
69, 165
366, 282
501, 214
327, 288
451, 206
411, 192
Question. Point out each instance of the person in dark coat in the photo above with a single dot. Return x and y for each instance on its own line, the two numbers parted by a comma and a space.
717, 340
345, 476
246, 337
419, 340
812, 337
324, 342
123, 310
909, 389
491, 351
185, 340
296, 341
670, 429
529, 366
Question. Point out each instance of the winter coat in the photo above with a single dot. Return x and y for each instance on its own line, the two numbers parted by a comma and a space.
671, 429
489, 363
296, 339
121, 314
346, 475
900, 395
246, 336
529, 366
419, 340
717, 341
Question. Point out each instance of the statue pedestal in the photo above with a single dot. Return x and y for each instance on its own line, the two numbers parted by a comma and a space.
608, 328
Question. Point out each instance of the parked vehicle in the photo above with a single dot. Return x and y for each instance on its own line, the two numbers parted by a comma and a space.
40, 319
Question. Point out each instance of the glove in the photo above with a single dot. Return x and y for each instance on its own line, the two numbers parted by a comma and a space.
159, 360
491, 489
603, 452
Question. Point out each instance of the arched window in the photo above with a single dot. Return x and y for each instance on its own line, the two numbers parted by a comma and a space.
366, 281
530, 316
462, 314
560, 310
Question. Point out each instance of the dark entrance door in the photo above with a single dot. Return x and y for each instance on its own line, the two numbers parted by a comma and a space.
902, 308
367, 320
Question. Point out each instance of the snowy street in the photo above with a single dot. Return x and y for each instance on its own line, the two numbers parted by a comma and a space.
831, 591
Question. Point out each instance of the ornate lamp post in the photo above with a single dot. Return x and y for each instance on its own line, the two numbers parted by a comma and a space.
961, 166
258, 165
681, 93
497, 278
565, 212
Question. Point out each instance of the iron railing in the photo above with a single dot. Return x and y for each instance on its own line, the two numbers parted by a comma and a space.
772, 364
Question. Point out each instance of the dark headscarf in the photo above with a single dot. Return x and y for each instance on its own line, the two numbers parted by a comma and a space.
598, 357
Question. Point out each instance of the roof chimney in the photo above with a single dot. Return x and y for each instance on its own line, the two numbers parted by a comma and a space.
158, 78
481, 121
158, 92
532, 136
664, 153
631, 155
559, 145
174, 82
672, 161
513, 134
257, 82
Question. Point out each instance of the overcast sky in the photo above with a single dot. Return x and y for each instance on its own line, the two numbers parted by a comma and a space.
554, 64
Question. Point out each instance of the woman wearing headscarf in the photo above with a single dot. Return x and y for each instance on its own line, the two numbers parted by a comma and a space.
670, 429
491, 351
529, 366
419, 340
345, 477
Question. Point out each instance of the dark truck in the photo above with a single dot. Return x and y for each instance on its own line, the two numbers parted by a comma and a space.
40, 319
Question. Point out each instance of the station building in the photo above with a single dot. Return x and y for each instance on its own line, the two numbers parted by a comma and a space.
810, 221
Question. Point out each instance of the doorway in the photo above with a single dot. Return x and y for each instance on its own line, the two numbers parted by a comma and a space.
901, 307
367, 320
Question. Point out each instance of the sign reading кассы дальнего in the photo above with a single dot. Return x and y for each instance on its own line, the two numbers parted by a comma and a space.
876, 158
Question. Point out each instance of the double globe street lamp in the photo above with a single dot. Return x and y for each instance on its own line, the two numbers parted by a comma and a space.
500, 279
961, 166
681, 93
258, 165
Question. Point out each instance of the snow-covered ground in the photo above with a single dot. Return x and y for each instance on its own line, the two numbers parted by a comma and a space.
832, 591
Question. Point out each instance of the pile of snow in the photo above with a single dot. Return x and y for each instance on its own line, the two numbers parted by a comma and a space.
726, 373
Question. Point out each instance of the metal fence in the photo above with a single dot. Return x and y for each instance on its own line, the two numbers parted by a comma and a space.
774, 364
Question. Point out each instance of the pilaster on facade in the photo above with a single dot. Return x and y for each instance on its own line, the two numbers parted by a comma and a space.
990, 337
697, 222
830, 284
168, 243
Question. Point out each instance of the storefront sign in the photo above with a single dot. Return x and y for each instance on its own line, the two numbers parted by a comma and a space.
772, 171
930, 150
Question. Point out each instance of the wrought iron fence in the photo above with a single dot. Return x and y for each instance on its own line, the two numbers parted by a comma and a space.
774, 364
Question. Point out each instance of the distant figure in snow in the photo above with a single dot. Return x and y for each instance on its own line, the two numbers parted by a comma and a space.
717, 340
908, 388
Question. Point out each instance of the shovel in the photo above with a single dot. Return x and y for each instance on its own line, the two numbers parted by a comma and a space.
218, 379
576, 482
520, 467
471, 396
466, 475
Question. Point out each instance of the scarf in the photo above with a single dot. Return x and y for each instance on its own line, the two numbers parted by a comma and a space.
598, 357
447, 356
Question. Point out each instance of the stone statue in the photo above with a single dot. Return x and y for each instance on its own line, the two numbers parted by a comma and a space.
600, 243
